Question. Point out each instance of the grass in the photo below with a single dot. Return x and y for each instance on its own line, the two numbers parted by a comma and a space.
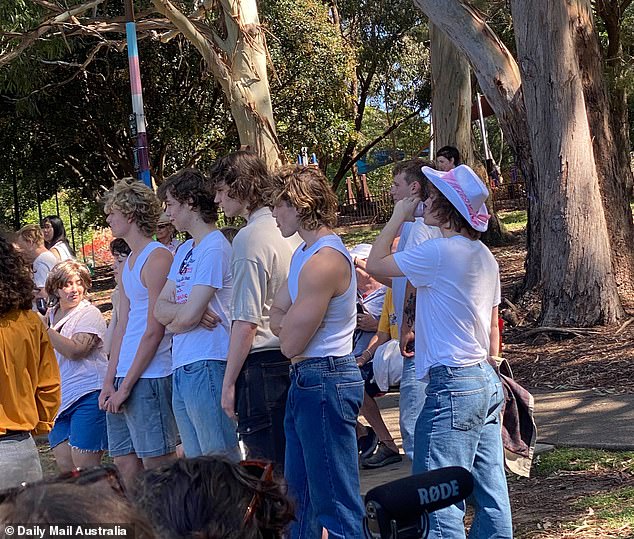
362, 234
574, 460
513, 220
615, 508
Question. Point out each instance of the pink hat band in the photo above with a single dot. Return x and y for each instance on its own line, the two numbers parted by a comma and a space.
478, 218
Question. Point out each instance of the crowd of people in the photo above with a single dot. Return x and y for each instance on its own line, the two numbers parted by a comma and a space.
228, 386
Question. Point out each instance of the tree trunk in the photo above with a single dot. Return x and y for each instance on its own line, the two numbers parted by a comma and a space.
238, 62
499, 79
579, 288
605, 118
450, 96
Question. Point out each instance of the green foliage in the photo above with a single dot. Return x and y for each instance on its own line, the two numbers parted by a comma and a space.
513, 220
573, 459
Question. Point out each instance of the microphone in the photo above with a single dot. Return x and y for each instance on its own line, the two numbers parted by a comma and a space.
398, 510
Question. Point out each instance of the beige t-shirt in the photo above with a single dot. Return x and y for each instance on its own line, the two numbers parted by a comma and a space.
260, 262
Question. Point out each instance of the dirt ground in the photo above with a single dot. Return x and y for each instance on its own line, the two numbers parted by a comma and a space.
544, 506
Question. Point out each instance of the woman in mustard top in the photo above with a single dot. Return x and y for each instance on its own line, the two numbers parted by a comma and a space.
29, 375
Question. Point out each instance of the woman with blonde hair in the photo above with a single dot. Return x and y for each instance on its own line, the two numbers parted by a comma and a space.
76, 329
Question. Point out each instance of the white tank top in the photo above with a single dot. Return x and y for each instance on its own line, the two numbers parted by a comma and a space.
64, 251
334, 336
161, 364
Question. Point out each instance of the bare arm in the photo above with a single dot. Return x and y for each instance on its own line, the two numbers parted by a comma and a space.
153, 275
322, 278
494, 346
165, 308
379, 338
190, 313
406, 336
242, 335
281, 304
77, 347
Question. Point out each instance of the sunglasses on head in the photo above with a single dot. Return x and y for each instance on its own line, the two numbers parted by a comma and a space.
261, 470
80, 476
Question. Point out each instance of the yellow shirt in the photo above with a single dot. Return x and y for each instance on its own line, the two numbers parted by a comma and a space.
387, 322
30, 392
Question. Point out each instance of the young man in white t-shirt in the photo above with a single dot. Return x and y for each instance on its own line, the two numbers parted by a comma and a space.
137, 390
199, 279
30, 240
314, 316
256, 381
458, 292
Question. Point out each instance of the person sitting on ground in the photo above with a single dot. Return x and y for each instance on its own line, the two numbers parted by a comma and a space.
210, 497
76, 329
55, 237
30, 241
166, 233
29, 376
387, 451
61, 504
457, 282
119, 250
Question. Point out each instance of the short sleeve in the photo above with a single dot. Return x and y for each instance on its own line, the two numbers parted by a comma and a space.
420, 263
250, 283
419, 233
91, 321
210, 269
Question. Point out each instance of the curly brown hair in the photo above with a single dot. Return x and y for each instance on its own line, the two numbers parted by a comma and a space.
135, 200
447, 213
210, 497
309, 192
62, 271
16, 285
189, 186
246, 175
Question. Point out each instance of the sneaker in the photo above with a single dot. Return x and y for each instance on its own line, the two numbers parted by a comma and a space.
383, 456
367, 443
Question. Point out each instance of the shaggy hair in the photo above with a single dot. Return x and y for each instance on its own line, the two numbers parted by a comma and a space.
119, 246
448, 214
16, 285
32, 234
309, 192
62, 272
189, 186
246, 176
209, 497
136, 201
411, 170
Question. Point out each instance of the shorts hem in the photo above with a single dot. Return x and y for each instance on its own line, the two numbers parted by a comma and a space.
155, 453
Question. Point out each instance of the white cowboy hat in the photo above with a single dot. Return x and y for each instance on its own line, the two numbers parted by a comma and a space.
466, 192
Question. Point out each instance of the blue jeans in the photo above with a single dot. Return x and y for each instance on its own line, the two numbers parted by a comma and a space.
410, 404
460, 426
204, 427
261, 393
322, 466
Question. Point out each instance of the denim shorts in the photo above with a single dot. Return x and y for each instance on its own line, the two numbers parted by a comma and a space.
146, 425
83, 424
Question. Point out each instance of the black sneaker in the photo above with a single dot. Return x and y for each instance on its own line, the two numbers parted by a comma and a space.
367, 443
383, 456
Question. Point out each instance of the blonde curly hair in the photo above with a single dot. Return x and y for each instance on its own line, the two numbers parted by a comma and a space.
309, 192
137, 201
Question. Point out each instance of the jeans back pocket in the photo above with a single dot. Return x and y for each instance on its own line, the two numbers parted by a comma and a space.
469, 408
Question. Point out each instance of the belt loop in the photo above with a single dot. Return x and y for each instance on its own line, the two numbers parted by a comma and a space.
331, 363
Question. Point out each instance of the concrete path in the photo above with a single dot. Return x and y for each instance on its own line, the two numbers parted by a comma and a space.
564, 418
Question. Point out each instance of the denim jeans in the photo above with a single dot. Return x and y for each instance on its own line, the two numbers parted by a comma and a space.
19, 462
460, 426
204, 427
322, 468
410, 404
261, 392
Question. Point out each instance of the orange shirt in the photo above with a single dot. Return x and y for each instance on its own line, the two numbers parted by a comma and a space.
30, 391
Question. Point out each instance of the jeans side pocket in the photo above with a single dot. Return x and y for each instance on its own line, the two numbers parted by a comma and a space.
468, 408
350, 395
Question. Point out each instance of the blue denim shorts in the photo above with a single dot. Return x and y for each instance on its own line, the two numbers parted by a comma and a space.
83, 424
146, 426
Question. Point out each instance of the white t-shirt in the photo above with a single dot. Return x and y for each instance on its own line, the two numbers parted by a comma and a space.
458, 285
206, 264
412, 234
42, 265
81, 376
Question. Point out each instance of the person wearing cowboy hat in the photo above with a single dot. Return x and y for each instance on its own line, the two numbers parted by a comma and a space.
458, 292
166, 233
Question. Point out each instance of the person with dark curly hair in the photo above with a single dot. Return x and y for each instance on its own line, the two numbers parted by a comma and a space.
213, 498
29, 375
199, 280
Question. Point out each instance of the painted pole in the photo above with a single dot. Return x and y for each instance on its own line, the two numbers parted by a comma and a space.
137, 119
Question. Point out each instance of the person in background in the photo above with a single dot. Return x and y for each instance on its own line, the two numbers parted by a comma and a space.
30, 241
76, 329
447, 157
120, 251
29, 376
166, 233
55, 237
